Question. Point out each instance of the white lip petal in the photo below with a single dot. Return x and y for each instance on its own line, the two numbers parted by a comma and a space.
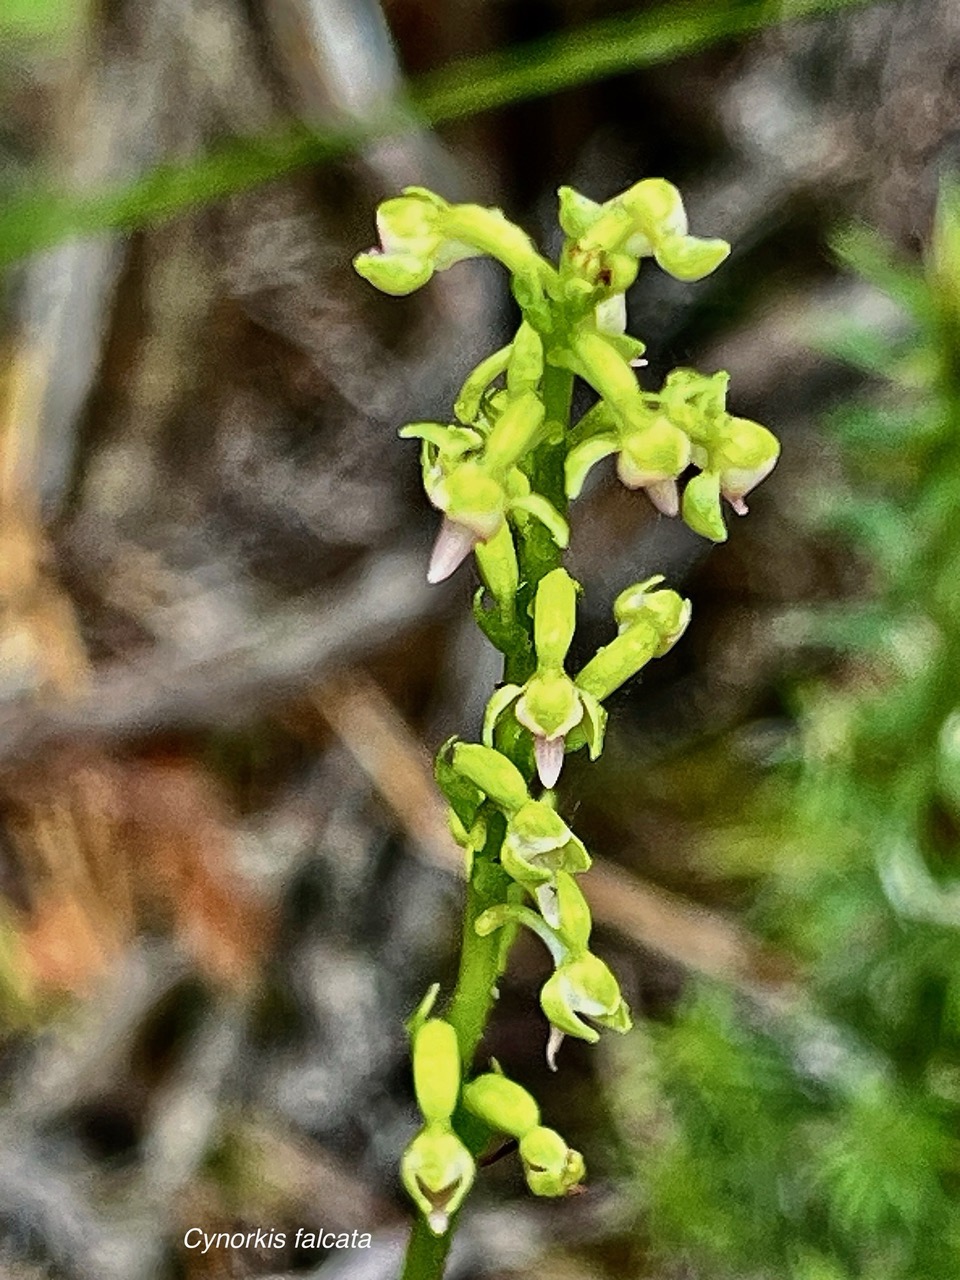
736, 482
454, 543
549, 755
549, 904
664, 496
553, 1047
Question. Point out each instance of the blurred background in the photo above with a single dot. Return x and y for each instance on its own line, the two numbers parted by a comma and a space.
225, 874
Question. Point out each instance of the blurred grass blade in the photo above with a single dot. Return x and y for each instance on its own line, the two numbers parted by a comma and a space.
40, 219
609, 47
863, 251
35, 20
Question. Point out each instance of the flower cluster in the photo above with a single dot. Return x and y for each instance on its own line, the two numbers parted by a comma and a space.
561, 712
437, 1168
501, 474
476, 470
658, 435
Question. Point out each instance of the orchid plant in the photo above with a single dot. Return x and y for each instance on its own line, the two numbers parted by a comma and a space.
502, 474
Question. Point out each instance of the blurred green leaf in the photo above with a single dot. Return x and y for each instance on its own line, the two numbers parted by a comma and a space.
39, 19
42, 218
865, 252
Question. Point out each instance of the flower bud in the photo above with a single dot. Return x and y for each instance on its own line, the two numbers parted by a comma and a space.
500, 1103
436, 1069
538, 843
495, 775
437, 1171
550, 1167
701, 506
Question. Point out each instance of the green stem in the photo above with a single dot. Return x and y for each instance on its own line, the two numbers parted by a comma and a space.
483, 959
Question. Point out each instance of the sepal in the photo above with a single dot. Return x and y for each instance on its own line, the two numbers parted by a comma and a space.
554, 617
689, 258
583, 457
495, 775
701, 506
467, 404
564, 907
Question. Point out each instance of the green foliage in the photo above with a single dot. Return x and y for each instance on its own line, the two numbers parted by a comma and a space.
35, 20
828, 1147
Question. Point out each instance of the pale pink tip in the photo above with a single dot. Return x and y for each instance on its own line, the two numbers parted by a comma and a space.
553, 1047
739, 506
454, 543
549, 755
664, 496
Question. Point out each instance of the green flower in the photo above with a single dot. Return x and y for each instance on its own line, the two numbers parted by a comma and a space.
437, 1170
646, 220
421, 233
470, 475
550, 705
582, 986
650, 623
538, 844
550, 1167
